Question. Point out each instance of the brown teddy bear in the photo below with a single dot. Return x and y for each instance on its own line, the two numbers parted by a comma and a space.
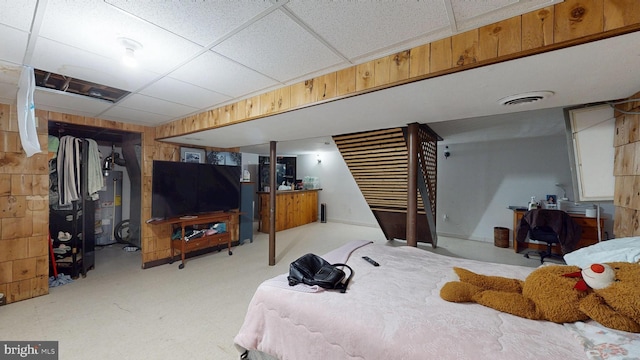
607, 293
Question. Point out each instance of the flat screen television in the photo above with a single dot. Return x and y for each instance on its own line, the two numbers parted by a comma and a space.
185, 189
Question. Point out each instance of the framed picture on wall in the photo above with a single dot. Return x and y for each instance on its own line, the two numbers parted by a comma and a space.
215, 157
192, 155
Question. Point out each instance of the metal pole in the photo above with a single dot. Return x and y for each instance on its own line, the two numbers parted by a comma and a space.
272, 203
412, 185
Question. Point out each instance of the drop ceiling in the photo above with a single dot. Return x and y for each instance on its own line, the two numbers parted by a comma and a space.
199, 55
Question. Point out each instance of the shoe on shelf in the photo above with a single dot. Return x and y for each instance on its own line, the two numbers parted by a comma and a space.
64, 236
62, 249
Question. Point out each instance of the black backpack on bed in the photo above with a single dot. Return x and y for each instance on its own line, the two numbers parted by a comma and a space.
312, 270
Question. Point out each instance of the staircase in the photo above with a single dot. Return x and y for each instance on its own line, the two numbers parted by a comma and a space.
379, 163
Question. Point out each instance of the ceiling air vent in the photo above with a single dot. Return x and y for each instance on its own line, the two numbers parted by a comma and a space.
525, 98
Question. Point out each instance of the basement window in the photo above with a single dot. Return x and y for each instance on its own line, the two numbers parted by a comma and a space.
53, 81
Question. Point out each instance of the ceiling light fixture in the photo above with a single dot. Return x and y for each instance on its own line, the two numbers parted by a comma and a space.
130, 47
525, 98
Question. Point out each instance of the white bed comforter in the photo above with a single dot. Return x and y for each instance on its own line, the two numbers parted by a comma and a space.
394, 311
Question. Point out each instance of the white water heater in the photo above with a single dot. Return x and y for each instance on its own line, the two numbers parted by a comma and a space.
109, 208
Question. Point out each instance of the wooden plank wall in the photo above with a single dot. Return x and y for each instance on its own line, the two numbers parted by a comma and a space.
24, 212
569, 23
627, 170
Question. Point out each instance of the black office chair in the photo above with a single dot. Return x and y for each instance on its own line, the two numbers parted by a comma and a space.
549, 226
547, 235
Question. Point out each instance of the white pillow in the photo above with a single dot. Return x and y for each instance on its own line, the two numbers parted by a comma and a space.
622, 249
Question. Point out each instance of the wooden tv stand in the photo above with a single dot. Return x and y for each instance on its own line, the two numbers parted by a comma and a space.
185, 246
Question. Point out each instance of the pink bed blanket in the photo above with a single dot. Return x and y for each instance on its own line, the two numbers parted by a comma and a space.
394, 311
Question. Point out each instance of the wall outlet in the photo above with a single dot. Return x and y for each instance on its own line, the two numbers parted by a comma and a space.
445, 217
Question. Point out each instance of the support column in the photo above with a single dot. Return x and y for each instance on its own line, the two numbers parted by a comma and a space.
272, 203
129, 143
412, 184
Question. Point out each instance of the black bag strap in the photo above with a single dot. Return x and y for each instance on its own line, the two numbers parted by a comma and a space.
343, 285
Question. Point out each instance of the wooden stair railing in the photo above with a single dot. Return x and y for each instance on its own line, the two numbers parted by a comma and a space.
378, 161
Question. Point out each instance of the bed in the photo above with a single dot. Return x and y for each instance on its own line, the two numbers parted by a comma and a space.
394, 311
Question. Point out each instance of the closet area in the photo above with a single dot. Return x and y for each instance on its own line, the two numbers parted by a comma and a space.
94, 195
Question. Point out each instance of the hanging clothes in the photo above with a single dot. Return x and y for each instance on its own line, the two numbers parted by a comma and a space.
69, 169
69, 158
95, 181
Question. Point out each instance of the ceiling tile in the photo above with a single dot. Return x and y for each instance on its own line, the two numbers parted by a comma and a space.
356, 28
17, 14
64, 110
96, 27
132, 116
86, 105
280, 48
14, 44
69, 61
474, 14
157, 106
184, 93
464, 10
202, 22
7, 93
214, 72
9, 73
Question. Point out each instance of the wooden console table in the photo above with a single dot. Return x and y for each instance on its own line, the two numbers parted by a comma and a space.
185, 246
588, 237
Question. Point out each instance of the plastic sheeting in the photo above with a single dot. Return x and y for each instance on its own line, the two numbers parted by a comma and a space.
26, 112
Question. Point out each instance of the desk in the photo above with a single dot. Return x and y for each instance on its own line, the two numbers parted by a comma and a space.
588, 237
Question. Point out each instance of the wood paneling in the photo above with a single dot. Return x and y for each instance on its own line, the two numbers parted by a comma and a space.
302, 93
537, 28
578, 18
399, 66
441, 55
293, 208
382, 71
620, 13
419, 61
500, 39
24, 211
464, 48
365, 76
346, 81
627, 170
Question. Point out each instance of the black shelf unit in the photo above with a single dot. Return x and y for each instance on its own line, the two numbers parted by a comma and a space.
74, 256
78, 221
